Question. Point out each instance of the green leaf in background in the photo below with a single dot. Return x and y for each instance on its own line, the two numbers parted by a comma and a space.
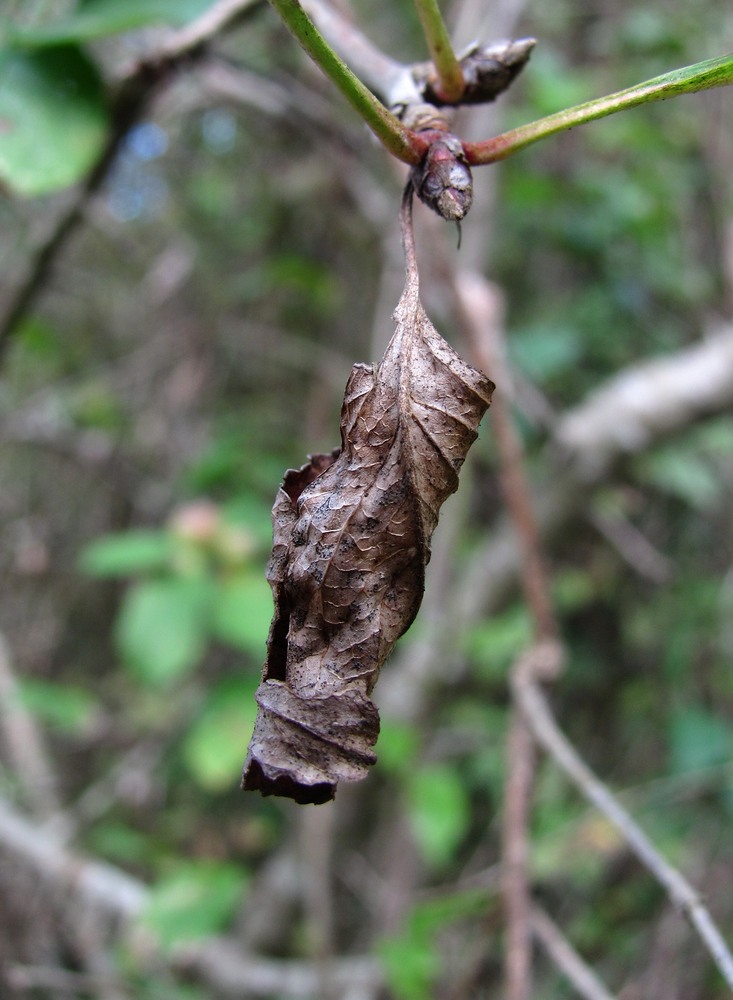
678, 471
399, 743
411, 959
544, 351
573, 589
249, 511
698, 739
439, 812
119, 842
126, 553
53, 118
214, 747
242, 611
197, 900
99, 18
68, 709
97, 406
493, 644
161, 629
553, 83
39, 340
411, 964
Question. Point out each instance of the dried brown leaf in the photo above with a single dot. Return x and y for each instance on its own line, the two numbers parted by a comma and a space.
351, 540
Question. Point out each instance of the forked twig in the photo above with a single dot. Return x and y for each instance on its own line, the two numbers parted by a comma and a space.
536, 709
541, 663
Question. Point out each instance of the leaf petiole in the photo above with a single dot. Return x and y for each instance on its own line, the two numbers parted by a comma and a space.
447, 66
687, 80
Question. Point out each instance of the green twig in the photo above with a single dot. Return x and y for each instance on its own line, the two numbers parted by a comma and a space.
688, 80
451, 84
402, 142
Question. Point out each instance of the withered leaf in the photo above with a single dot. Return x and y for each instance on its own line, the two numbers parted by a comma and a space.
351, 540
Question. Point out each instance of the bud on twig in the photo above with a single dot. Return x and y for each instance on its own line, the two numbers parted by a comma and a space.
443, 179
488, 70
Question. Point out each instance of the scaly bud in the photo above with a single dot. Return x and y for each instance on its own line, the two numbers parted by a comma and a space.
443, 180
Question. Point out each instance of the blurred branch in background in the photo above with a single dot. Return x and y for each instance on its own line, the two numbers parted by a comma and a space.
632, 412
480, 309
25, 744
622, 417
583, 978
135, 92
534, 705
707, 382
117, 901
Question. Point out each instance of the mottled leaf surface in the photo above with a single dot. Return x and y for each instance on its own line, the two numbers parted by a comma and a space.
351, 541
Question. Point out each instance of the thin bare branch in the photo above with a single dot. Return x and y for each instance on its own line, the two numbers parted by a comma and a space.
103, 794
58, 982
25, 745
480, 310
566, 958
218, 18
633, 546
516, 893
317, 828
647, 401
235, 974
626, 415
548, 734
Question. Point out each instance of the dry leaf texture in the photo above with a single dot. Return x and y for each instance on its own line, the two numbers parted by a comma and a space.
351, 540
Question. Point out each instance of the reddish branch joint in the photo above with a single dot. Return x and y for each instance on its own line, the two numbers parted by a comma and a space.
443, 180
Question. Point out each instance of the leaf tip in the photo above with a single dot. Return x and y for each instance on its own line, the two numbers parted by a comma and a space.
256, 779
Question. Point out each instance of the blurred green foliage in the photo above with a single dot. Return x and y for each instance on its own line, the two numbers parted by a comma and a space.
196, 900
55, 122
60, 706
90, 19
204, 584
412, 958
